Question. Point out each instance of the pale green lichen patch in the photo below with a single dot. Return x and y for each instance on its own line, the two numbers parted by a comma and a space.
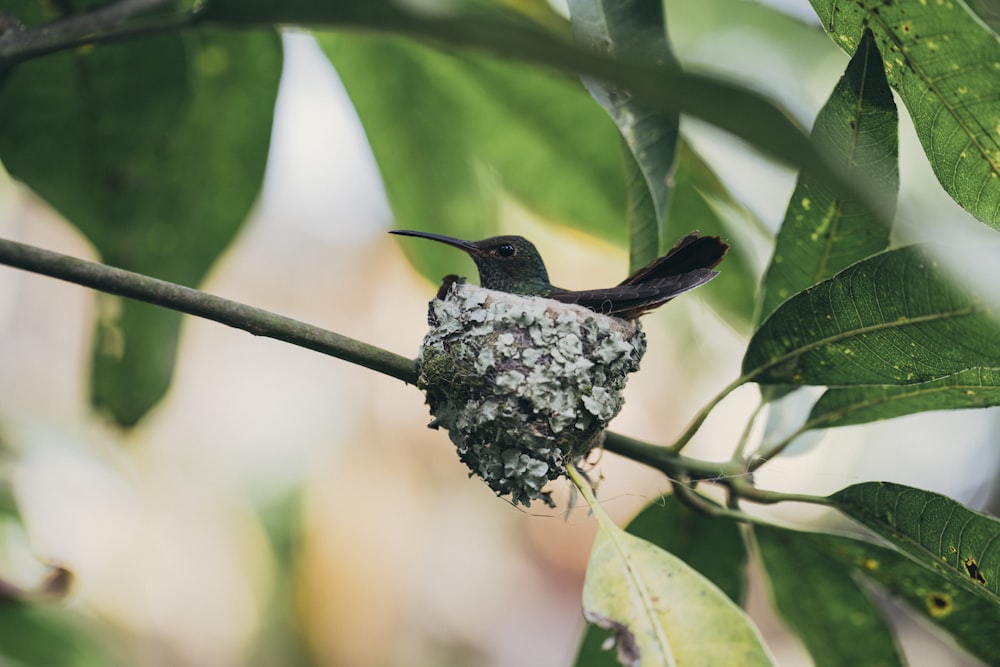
523, 384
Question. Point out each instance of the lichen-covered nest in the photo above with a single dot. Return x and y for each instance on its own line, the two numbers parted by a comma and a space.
524, 385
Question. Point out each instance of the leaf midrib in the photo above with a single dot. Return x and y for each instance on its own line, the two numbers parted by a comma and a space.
852, 333
928, 82
637, 585
835, 415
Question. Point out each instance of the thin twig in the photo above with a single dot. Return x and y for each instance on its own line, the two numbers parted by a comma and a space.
702, 415
747, 430
733, 475
193, 302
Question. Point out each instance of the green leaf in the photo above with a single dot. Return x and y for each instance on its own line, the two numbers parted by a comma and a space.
663, 612
945, 64
280, 640
527, 124
845, 406
894, 318
712, 546
824, 233
834, 617
958, 543
644, 235
156, 151
450, 128
700, 201
634, 30
414, 126
37, 634
746, 114
973, 621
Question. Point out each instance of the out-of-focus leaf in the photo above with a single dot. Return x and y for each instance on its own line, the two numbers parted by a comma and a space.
824, 233
712, 546
844, 406
945, 64
281, 640
746, 114
550, 145
37, 634
8, 504
820, 600
662, 611
640, 216
443, 128
539, 11
894, 318
634, 30
973, 621
958, 543
405, 96
701, 202
156, 151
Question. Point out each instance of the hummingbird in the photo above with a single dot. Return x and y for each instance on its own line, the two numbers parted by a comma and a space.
512, 264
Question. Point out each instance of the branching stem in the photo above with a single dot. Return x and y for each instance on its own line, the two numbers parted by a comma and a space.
734, 475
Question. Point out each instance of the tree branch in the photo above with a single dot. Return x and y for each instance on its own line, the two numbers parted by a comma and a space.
667, 461
260, 322
257, 321
102, 23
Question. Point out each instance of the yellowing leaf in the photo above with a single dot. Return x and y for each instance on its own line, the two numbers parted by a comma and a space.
663, 612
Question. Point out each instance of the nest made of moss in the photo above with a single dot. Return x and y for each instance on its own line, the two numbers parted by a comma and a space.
524, 385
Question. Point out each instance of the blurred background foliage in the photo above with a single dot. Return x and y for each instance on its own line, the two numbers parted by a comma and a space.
221, 500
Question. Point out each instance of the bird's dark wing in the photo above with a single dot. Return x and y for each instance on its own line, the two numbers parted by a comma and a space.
692, 252
630, 301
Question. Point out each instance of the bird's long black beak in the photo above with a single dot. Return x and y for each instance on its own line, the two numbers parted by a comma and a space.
467, 246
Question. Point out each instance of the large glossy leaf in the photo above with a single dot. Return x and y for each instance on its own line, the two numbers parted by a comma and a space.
663, 612
156, 151
894, 318
973, 621
844, 406
635, 30
712, 546
946, 66
960, 544
824, 232
835, 618
445, 129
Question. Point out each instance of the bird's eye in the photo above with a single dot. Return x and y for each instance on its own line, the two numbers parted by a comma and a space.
506, 250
